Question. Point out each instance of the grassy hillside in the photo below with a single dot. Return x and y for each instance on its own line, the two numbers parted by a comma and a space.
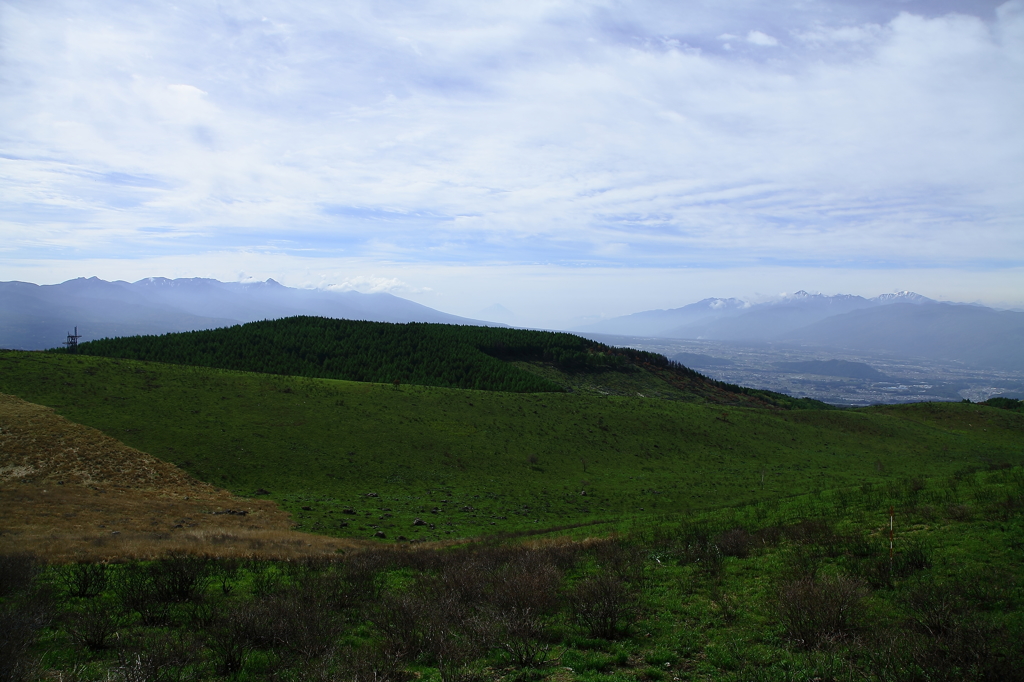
450, 356
802, 589
472, 462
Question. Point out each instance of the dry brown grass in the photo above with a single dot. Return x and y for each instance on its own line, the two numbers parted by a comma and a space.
69, 492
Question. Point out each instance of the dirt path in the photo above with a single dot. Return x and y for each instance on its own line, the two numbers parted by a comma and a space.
69, 492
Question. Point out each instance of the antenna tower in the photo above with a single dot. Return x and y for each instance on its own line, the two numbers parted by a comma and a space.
72, 342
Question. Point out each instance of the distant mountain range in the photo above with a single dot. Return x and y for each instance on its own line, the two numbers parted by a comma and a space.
34, 317
904, 323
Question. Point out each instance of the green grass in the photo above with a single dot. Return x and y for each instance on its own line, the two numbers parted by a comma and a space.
514, 462
949, 609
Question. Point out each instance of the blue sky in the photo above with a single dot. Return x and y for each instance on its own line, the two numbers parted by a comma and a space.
567, 160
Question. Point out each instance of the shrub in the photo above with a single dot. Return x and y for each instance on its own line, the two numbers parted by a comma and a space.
265, 579
400, 619
17, 571
305, 618
524, 594
161, 657
230, 638
698, 548
376, 663
601, 603
93, 625
959, 512
20, 623
953, 642
735, 542
137, 592
83, 579
816, 611
181, 576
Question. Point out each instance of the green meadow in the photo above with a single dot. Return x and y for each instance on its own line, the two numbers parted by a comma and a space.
470, 463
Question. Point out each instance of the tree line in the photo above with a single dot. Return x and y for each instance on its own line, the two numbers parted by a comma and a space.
443, 355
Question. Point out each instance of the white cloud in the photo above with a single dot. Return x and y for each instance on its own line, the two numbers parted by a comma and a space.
536, 132
763, 39
371, 284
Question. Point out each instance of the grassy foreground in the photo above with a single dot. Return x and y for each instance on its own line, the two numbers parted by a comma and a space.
796, 589
357, 459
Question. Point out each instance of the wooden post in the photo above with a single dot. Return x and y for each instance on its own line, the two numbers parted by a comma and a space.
891, 514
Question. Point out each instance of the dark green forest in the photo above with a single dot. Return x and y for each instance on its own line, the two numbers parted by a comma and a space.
424, 354
449, 356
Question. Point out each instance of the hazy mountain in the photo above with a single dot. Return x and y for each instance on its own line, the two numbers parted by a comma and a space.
496, 313
730, 319
832, 368
971, 334
36, 317
656, 322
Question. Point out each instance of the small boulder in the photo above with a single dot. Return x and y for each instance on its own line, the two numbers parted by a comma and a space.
380, 534
419, 522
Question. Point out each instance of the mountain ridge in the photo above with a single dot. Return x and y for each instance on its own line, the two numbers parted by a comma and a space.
35, 317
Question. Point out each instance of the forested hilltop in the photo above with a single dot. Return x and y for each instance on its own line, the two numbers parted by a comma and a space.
442, 355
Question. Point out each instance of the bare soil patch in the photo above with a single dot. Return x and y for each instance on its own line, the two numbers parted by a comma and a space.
69, 492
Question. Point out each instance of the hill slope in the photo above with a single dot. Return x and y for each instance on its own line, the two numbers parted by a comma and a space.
469, 462
434, 355
70, 492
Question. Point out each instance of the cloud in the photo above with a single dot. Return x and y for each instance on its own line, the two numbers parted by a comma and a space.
563, 133
370, 284
762, 39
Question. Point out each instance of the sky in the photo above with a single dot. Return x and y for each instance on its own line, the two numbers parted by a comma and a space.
566, 160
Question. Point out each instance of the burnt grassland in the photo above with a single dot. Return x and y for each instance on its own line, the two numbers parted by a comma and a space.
799, 588
361, 460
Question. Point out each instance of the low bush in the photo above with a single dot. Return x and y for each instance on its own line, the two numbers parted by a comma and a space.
735, 543
818, 611
93, 625
601, 605
181, 576
17, 572
21, 620
83, 579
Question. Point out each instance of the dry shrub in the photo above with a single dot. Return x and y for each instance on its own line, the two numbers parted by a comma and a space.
93, 625
17, 571
83, 579
181, 576
139, 591
374, 663
305, 619
400, 619
525, 595
818, 611
735, 542
21, 620
159, 657
953, 642
601, 604
959, 512
232, 637
770, 536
